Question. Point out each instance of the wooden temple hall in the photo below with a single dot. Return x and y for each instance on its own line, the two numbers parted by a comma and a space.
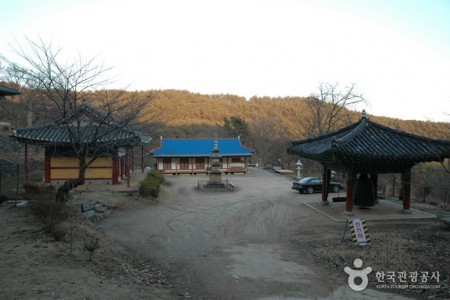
365, 149
84, 129
193, 156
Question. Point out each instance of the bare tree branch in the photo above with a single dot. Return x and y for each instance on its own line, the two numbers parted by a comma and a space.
62, 88
329, 108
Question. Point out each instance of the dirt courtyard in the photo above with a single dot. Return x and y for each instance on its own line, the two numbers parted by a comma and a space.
258, 242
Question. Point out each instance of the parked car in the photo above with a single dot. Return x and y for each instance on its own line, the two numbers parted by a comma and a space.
310, 185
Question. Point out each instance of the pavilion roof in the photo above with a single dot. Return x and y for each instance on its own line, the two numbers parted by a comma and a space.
7, 91
100, 129
369, 146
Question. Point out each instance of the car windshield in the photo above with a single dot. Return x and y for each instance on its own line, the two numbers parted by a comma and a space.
305, 180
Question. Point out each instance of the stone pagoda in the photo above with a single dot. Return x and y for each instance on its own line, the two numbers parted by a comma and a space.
215, 174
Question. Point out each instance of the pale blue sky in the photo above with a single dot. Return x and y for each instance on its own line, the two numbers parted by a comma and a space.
397, 52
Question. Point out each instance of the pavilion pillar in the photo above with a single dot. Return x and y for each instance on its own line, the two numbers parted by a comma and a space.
328, 181
47, 173
325, 183
374, 179
132, 160
122, 167
406, 187
127, 165
115, 170
349, 200
25, 163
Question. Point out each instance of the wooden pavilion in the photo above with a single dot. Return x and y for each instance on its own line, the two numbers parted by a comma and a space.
366, 147
102, 137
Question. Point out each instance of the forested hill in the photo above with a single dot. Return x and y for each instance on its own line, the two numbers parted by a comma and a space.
193, 114
283, 117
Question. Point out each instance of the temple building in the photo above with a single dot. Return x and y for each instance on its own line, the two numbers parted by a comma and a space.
84, 130
365, 149
192, 156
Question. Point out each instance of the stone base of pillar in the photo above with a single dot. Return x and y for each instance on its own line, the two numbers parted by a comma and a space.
406, 211
325, 203
348, 213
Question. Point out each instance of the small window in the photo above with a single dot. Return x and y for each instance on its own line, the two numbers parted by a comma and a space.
236, 160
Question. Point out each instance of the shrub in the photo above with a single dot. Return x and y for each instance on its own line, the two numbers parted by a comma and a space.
59, 232
91, 245
50, 213
151, 184
39, 190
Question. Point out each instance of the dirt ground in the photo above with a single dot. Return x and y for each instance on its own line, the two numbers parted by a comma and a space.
257, 242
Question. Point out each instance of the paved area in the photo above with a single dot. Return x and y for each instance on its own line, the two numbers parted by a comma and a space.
384, 210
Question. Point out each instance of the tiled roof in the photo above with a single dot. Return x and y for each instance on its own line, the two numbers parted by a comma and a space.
7, 91
367, 143
60, 135
200, 147
103, 129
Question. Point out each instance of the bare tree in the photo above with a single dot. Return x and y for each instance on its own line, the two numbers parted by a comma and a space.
61, 87
268, 141
329, 108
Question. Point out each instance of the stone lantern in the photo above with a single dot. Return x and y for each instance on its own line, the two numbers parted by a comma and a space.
298, 169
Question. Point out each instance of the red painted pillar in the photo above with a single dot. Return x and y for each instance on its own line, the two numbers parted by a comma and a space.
47, 172
349, 200
132, 160
115, 170
374, 179
127, 166
328, 181
122, 166
324, 187
25, 163
406, 184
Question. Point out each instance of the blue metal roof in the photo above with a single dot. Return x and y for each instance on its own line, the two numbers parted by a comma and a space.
200, 147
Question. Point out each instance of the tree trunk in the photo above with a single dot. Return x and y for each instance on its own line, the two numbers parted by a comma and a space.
63, 191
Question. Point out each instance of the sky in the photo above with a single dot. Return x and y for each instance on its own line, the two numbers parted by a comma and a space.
397, 52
